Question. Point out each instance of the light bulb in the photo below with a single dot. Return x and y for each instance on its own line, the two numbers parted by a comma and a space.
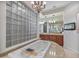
32, 2
44, 3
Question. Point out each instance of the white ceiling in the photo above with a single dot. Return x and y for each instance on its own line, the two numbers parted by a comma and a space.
54, 6
51, 6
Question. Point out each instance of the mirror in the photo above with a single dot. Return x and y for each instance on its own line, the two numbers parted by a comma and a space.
52, 24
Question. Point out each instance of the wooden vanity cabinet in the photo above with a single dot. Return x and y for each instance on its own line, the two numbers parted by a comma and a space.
56, 38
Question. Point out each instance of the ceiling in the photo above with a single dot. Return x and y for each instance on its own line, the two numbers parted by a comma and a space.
54, 6
51, 6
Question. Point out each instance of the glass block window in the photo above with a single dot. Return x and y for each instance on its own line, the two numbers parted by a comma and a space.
21, 23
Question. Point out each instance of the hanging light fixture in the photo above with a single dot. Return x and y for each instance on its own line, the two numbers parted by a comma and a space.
38, 5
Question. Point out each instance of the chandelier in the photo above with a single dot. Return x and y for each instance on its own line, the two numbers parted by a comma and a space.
38, 5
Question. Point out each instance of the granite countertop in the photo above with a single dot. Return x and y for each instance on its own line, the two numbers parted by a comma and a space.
51, 33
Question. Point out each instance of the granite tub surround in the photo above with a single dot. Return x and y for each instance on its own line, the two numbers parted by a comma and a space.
35, 50
11, 49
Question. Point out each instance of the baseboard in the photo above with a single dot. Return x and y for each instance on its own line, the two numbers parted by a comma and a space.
72, 50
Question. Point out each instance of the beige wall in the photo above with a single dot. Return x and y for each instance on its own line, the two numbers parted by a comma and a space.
2, 25
71, 40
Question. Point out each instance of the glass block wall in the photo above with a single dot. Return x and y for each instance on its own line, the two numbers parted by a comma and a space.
21, 23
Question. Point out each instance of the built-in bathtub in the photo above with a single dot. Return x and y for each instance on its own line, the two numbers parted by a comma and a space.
39, 46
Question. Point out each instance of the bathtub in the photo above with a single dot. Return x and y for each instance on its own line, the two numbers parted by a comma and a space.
39, 46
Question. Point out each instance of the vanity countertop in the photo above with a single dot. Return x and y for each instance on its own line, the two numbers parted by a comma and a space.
51, 34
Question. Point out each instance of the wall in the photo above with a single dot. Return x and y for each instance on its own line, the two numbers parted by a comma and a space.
78, 28
71, 40
2, 25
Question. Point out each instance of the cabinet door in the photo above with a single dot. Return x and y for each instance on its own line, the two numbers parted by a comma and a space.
54, 38
51, 37
60, 40
44, 37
